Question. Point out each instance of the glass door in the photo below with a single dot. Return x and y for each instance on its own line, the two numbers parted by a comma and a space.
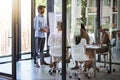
5, 36
25, 28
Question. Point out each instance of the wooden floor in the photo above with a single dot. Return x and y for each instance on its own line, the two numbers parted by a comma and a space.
27, 71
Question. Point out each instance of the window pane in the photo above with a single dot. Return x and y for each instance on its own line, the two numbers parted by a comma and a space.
114, 21
5, 27
58, 6
115, 6
5, 35
26, 26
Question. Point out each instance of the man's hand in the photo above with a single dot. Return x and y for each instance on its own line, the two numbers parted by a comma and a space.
44, 30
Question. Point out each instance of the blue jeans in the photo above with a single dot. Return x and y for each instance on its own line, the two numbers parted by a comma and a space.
39, 47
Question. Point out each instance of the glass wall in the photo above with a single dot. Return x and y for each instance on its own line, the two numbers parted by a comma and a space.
114, 14
25, 26
106, 14
42, 2
109, 14
5, 35
58, 6
91, 13
5, 27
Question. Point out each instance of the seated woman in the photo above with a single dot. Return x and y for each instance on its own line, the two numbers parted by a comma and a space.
83, 34
55, 42
105, 41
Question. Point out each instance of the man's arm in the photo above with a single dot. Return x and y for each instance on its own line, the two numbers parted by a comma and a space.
43, 30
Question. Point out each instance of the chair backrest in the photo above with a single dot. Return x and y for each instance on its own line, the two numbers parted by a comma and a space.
56, 51
112, 42
83, 41
78, 51
55, 42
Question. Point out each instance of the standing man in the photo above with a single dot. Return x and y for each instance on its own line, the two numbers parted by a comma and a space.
41, 28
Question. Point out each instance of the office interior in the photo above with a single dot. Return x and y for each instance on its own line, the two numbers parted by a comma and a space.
17, 34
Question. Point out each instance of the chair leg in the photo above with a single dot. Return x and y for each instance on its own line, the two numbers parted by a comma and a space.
104, 60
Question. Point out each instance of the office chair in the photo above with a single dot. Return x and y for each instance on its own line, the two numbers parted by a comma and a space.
78, 54
55, 51
105, 54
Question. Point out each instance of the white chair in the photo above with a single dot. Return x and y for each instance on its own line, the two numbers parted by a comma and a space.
78, 54
55, 51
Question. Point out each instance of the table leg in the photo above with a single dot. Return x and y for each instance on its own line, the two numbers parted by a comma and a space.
110, 58
94, 63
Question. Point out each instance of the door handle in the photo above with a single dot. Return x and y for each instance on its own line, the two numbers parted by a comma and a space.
10, 37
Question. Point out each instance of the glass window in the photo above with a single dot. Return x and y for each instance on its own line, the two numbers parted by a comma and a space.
115, 6
91, 3
106, 2
91, 13
114, 21
42, 2
25, 26
5, 27
5, 35
58, 6
105, 19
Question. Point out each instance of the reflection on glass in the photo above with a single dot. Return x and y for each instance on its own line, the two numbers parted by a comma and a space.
106, 2
115, 6
91, 3
114, 20
91, 16
5, 35
5, 27
25, 26
91, 22
92, 9
58, 6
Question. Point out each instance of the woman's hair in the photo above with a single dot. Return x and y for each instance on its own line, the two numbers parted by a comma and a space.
82, 26
59, 23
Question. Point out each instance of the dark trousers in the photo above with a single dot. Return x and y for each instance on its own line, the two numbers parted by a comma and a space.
39, 47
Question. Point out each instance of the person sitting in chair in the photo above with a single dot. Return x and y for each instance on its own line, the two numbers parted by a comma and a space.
54, 41
84, 35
